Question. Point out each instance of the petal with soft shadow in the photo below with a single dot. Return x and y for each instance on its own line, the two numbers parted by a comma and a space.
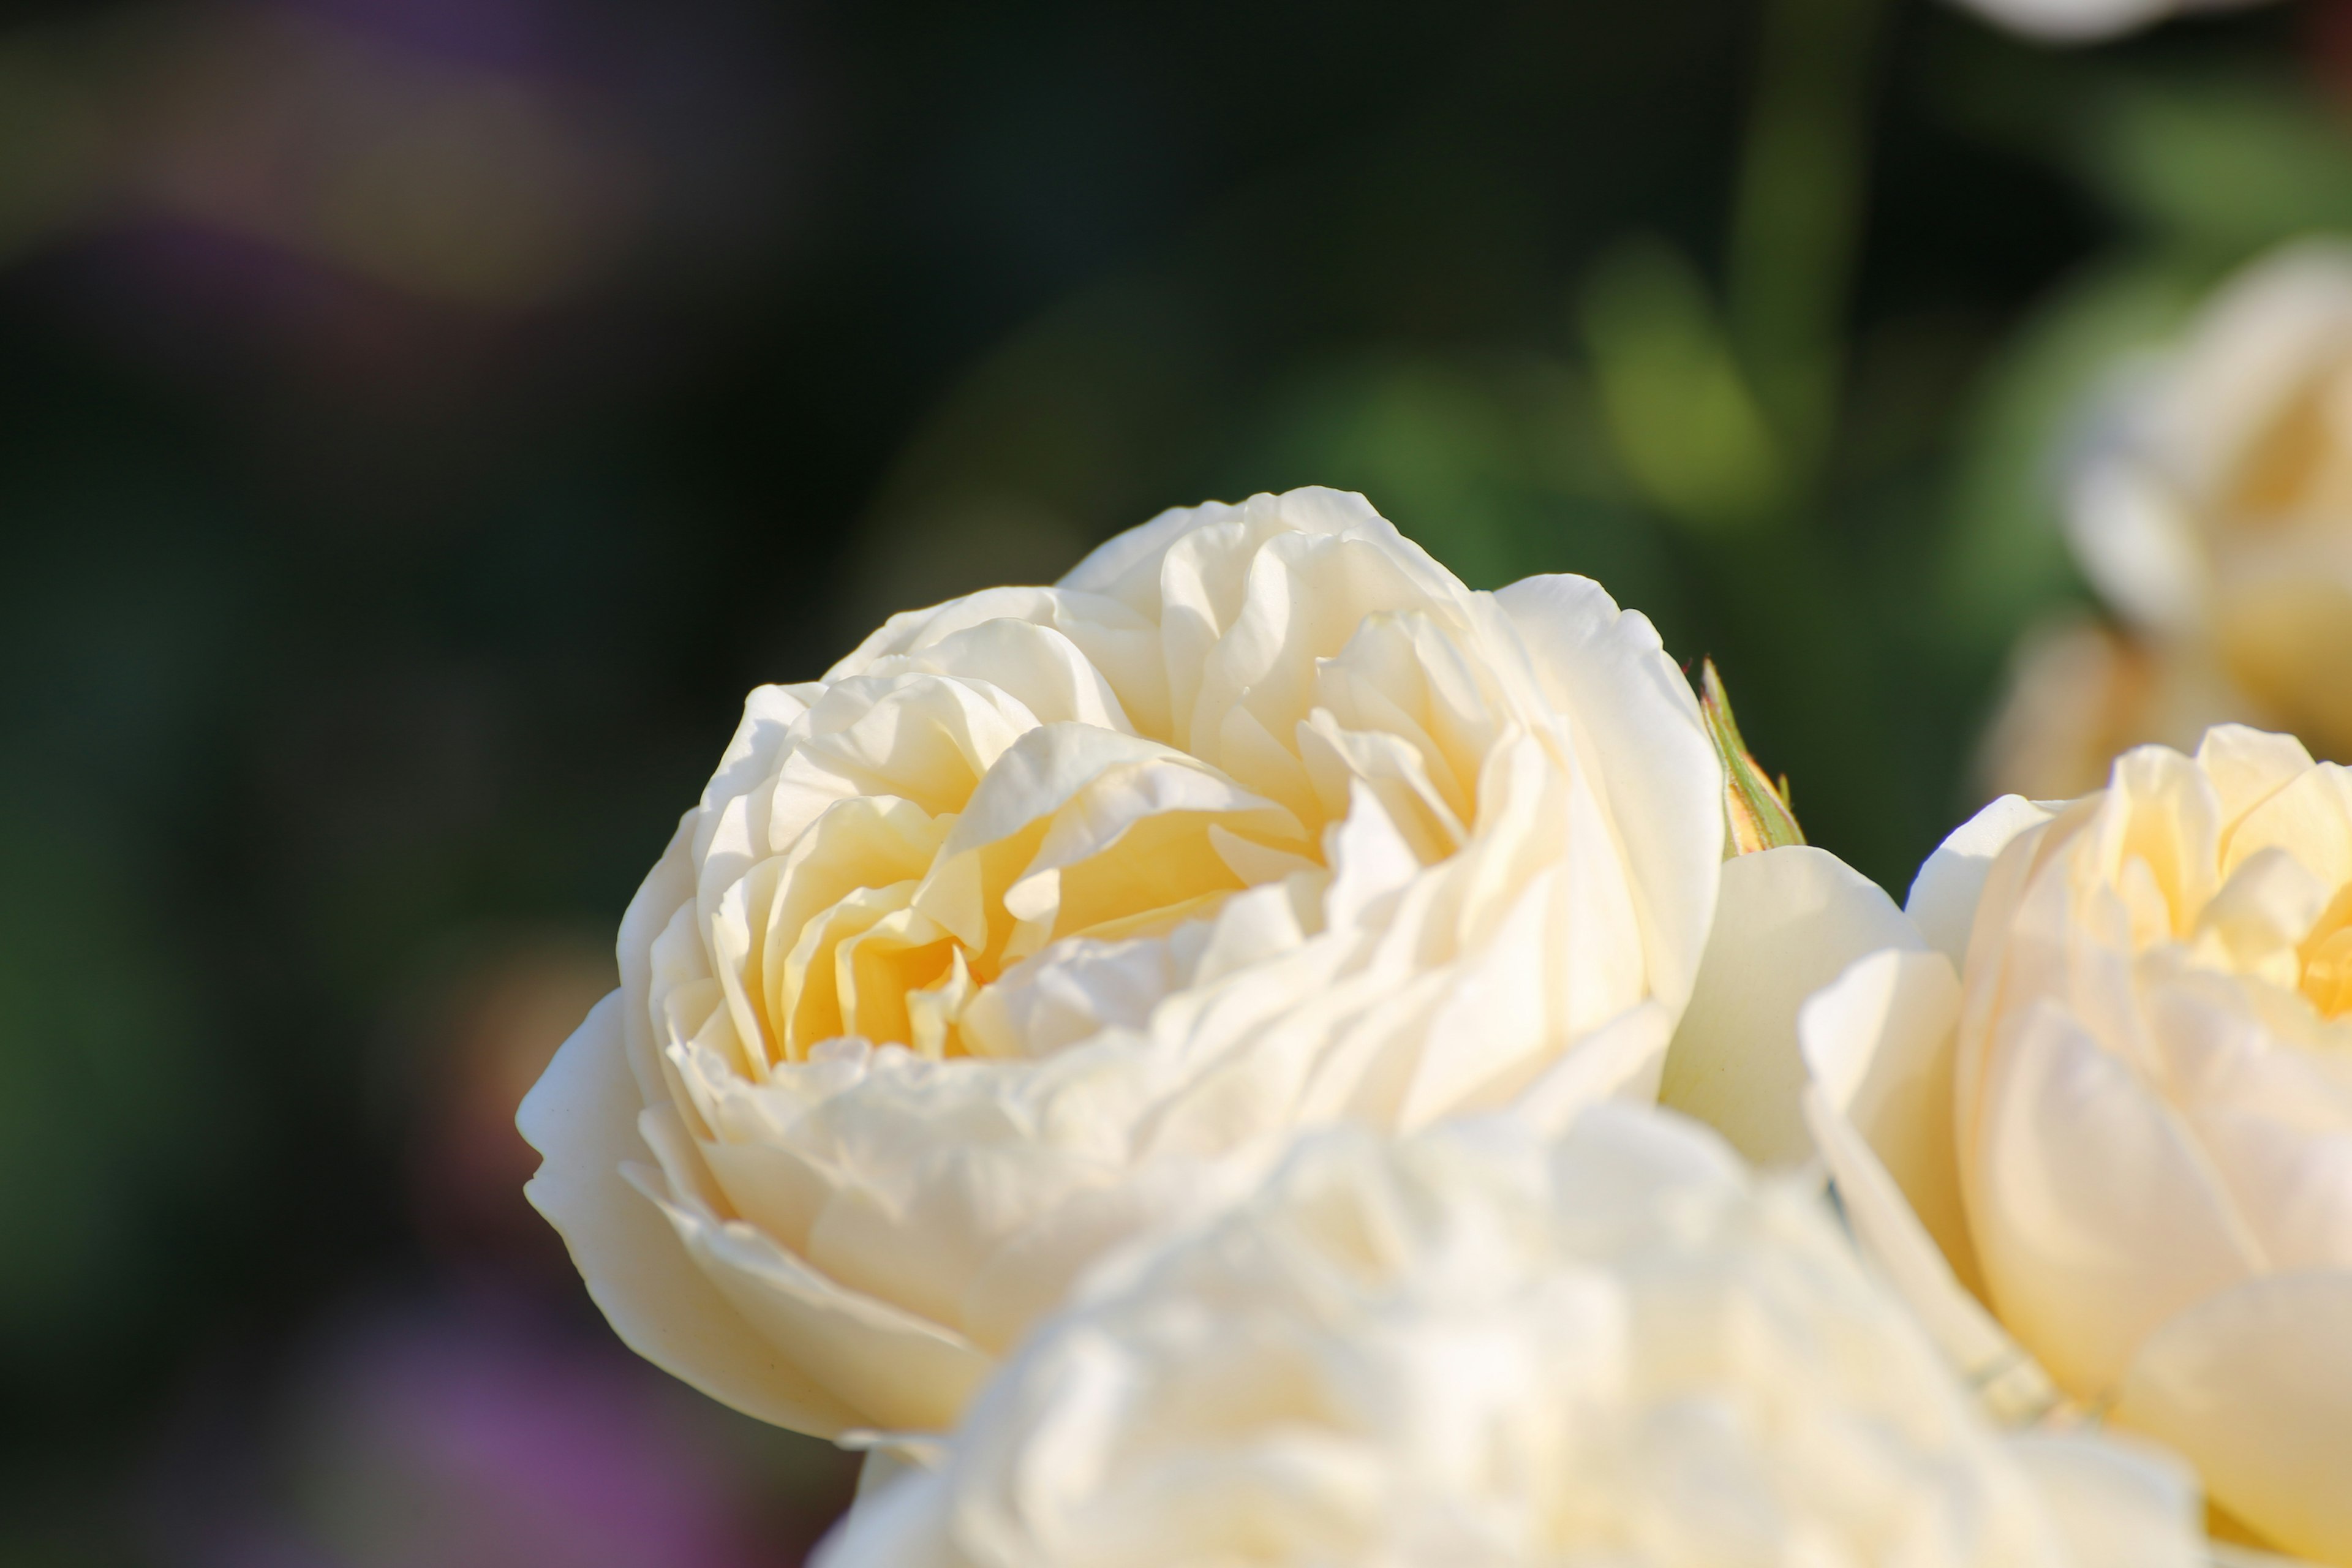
582, 1117
1878, 1044
891, 1368
1656, 770
1788, 923
2095, 1216
2247, 766
2254, 1385
2115, 1505
1943, 899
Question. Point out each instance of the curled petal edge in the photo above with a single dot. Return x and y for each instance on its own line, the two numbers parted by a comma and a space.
582, 1117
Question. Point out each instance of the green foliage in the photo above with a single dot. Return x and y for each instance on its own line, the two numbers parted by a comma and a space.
2221, 164
1687, 427
1755, 807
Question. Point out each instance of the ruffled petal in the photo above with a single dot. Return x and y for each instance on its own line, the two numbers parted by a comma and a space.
582, 1117
1655, 768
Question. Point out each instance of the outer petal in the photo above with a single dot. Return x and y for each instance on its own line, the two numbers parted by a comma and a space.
1789, 921
894, 1369
2116, 1507
2095, 1214
903, 1521
582, 1117
1658, 771
2255, 1386
1878, 1044
1943, 899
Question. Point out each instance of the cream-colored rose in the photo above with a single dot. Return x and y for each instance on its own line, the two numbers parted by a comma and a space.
2092, 1108
1047, 915
2215, 512
1482, 1349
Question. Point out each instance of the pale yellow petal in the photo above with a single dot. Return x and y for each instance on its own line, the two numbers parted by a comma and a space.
1639, 738
2254, 1385
882, 1364
1789, 921
1878, 1044
2115, 1505
2095, 1214
582, 1117
2248, 765
1944, 896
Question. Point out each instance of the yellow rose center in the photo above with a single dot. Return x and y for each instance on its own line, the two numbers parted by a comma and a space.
2326, 955
950, 839
1136, 850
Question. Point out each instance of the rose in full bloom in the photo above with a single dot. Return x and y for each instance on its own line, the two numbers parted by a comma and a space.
2214, 513
2092, 1108
1479, 1348
1048, 912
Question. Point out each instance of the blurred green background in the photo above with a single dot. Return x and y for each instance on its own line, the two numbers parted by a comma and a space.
420, 420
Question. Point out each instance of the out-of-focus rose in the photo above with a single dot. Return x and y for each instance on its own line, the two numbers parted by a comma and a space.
2092, 1111
1048, 913
1479, 1349
2088, 21
2081, 693
2214, 515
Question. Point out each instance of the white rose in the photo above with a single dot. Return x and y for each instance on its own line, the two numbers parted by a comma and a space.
2088, 21
1048, 913
2215, 512
1477, 1348
2092, 1108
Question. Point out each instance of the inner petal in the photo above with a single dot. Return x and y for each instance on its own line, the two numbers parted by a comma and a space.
875, 971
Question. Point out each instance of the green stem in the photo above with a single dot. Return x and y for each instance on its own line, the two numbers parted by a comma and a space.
1797, 213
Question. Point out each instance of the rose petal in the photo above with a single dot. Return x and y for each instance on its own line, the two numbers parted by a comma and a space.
1944, 896
2095, 1217
1789, 922
1655, 769
2114, 1506
582, 1117
2254, 1385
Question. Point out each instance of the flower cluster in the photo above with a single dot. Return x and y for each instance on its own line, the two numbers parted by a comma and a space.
1172, 1061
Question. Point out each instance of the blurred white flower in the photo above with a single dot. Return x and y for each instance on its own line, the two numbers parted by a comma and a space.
2082, 693
1047, 915
2090, 1107
1480, 1349
2215, 514
2088, 21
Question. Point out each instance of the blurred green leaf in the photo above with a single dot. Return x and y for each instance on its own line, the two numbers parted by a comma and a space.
1687, 425
2225, 166
105, 1104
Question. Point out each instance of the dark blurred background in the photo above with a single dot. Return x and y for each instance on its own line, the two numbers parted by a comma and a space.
422, 420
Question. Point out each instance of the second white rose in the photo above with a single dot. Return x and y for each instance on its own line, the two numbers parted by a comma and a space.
1047, 915
2090, 1103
